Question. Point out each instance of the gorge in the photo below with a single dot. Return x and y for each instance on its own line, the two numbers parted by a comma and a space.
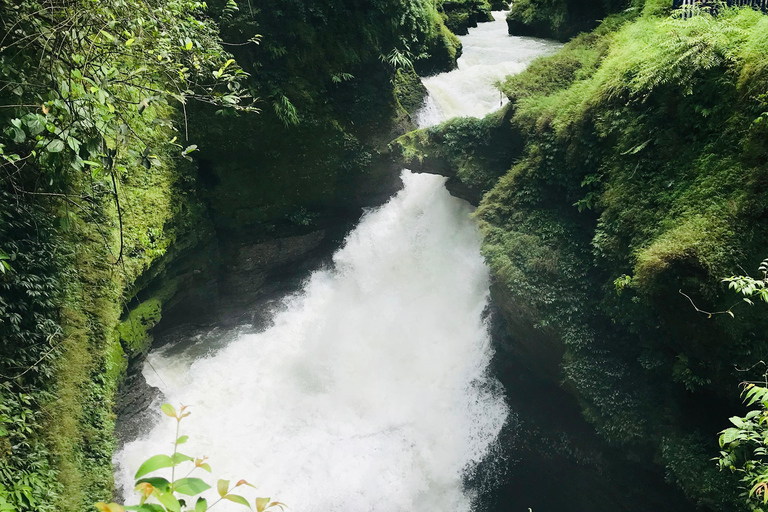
389, 254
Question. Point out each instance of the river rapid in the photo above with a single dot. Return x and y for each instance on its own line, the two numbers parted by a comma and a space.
371, 390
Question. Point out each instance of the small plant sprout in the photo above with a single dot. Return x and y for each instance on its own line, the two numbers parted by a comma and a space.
172, 495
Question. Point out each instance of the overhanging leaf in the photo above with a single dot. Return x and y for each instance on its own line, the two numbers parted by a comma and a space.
190, 486
157, 482
261, 504
169, 501
168, 410
153, 464
55, 146
237, 499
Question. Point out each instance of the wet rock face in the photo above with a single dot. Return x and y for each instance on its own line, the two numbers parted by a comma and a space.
546, 443
253, 263
134, 405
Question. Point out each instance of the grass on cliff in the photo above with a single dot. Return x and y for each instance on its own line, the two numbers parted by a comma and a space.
643, 163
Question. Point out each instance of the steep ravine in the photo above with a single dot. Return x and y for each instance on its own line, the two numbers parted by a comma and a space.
544, 443
552, 458
604, 190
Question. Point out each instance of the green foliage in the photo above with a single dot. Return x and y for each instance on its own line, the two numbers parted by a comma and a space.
460, 15
82, 76
564, 19
577, 60
170, 494
642, 172
688, 460
32, 336
87, 184
752, 289
134, 329
744, 448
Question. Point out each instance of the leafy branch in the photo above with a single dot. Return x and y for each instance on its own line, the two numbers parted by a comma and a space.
752, 290
167, 493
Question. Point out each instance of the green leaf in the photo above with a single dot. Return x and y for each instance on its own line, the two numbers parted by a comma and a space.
222, 486
168, 410
261, 504
73, 144
178, 458
728, 436
17, 134
201, 505
237, 499
190, 486
169, 501
182, 439
153, 464
55, 146
35, 124
157, 482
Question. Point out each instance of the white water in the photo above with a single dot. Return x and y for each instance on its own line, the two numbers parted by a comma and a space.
370, 391
489, 54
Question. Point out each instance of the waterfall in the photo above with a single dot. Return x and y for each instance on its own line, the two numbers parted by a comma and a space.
488, 55
370, 391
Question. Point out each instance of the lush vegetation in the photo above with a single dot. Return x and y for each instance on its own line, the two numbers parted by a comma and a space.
563, 19
744, 447
641, 183
90, 197
103, 219
170, 494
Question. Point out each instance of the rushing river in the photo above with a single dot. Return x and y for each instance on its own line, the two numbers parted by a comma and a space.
370, 391
489, 54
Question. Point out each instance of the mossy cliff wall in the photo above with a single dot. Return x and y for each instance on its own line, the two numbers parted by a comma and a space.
89, 280
564, 19
642, 175
75, 269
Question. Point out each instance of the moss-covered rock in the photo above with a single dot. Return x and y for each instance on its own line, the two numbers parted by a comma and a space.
461, 15
444, 51
409, 91
564, 19
629, 189
472, 153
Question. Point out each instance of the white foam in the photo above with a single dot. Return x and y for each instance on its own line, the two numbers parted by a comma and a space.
489, 55
370, 392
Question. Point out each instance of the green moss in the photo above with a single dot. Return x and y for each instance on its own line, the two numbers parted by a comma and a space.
409, 90
444, 51
701, 239
641, 158
460, 15
133, 331
564, 19
476, 151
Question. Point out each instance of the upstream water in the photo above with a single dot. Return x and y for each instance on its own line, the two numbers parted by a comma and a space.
489, 54
371, 390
